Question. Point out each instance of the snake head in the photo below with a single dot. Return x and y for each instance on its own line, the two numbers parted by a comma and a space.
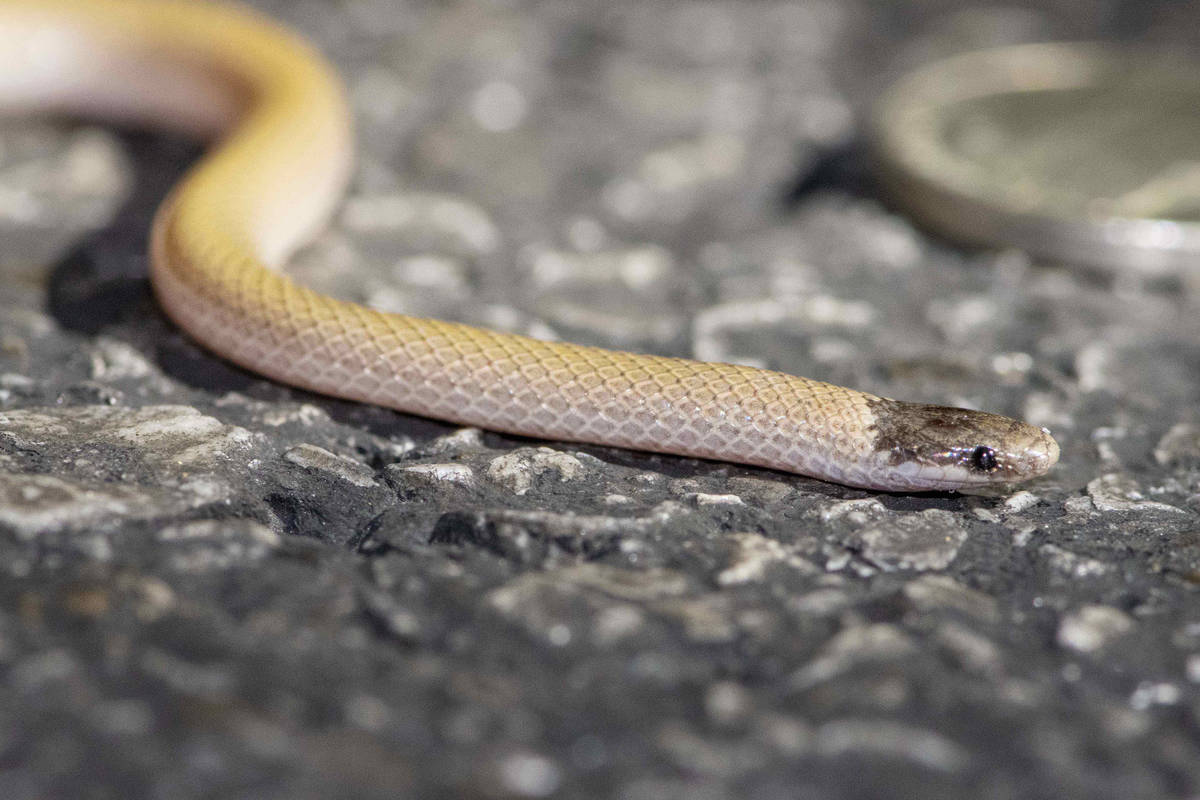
941, 448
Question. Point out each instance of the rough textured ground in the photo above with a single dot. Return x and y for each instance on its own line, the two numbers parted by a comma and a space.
214, 586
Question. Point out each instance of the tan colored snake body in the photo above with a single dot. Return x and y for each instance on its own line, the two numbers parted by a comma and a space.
278, 170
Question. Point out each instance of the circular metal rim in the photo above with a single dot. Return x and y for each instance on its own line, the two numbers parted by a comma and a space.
912, 167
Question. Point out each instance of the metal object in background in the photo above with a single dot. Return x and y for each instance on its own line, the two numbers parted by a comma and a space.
1074, 152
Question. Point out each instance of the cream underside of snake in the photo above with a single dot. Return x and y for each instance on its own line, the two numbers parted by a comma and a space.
279, 166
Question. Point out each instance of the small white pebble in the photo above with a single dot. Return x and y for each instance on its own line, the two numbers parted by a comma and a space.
1149, 694
559, 635
368, 712
727, 702
530, 775
498, 106
443, 473
1021, 501
1092, 627
703, 499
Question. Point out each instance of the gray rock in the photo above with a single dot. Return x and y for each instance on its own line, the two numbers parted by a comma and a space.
1093, 627
929, 540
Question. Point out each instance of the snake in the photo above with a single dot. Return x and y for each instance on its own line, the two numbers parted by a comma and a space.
279, 160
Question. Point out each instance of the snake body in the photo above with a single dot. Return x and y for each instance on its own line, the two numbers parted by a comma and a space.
278, 168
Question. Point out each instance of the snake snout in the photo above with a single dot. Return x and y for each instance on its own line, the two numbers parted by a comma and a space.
1039, 455
1022, 451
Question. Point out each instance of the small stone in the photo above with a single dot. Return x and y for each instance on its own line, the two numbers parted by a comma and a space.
432, 219
974, 651
879, 642
34, 504
887, 738
518, 470
1153, 693
114, 360
166, 436
368, 712
924, 541
727, 703
855, 512
1114, 492
461, 441
130, 717
1179, 446
527, 774
1092, 627
1074, 565
710, 756
1021, 501
707, 619
760, 491
788, 736
615, 623
459, 474
701, 499
204, 545
309, 456
754, 554
941, 591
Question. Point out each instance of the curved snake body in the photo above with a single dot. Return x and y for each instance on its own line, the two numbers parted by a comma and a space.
278, 169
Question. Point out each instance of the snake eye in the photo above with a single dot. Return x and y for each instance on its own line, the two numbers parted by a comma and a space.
983, 458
